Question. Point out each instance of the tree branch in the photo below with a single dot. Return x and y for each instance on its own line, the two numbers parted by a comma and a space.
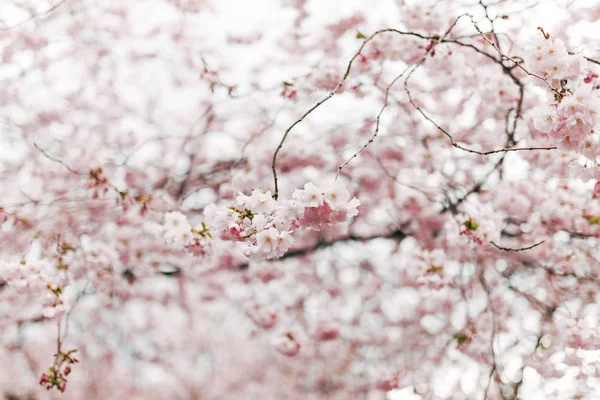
517, 250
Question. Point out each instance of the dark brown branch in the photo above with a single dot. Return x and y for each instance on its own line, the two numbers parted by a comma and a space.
519, 249
592, 60
458, 146
396, 235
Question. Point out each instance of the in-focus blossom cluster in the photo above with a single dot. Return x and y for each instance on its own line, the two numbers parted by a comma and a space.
571, 121
266, 225
549, 59
571, 118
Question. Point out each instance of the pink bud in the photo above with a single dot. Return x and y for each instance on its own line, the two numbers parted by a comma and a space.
327, 330
234, 230
43, 379
387, 384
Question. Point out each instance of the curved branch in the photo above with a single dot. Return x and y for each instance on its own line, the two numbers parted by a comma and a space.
519, 249
48, 156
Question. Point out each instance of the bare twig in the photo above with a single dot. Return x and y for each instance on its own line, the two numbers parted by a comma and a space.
592, 60
34, 16
488, 292
56, 160
392, 177
519, 249
385, 104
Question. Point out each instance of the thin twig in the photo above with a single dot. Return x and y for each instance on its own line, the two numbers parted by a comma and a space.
56, 160
488, 292
34, 16
519, 249
592, 60
377, 123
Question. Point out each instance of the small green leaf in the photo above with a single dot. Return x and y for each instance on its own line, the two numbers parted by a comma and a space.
470, 225
360, 35
433, 269
461, 337
592, 220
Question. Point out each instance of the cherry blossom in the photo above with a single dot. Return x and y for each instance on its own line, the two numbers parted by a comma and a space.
287, 344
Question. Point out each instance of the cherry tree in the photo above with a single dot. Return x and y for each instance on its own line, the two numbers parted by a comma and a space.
294, 199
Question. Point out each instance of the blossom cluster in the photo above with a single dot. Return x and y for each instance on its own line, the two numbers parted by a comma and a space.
179, 234
266, 225
570, 119
57, 374
39, 275
549, 59
476, 225
571, 122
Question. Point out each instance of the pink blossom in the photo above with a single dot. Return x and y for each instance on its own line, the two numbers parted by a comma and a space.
311, 196
337, 195
286, 343
545, 119
266, 241
259, 202
262, 316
